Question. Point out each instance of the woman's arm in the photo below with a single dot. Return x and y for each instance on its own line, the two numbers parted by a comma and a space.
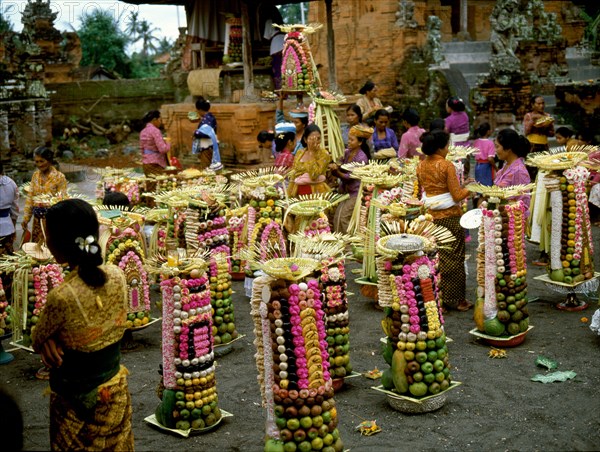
162, 146
394, 140
49, 322
33, 189
456, 191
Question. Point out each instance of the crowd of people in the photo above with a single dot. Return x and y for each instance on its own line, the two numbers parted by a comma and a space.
84, 318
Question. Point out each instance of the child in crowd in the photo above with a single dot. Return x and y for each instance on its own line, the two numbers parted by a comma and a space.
485, 166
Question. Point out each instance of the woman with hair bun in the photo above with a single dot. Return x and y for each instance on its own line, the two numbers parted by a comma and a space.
512, 148
46, 180
457, 123
369, 103
442, 195
78, 335
153, 146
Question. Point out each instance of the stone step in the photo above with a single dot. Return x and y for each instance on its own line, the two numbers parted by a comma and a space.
466, 58
467, 47
471, 68
584, 73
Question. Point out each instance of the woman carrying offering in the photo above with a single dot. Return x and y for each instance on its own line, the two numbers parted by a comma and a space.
384, 138
310, 165
358, 152
512, 148
353, 118
369, 103
442, 195
78, 335
46, 180
153, 146
285, 141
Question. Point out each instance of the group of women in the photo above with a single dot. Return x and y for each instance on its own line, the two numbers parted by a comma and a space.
79, 330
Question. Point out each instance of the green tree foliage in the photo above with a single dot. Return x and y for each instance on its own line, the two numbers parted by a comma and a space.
291, 12
103, 43
5, 25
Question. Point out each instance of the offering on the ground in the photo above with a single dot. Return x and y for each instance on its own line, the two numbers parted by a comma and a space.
188, 390
415, 345
292, 357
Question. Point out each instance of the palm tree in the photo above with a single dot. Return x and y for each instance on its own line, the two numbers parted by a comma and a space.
146, 35
131, 28
164, 45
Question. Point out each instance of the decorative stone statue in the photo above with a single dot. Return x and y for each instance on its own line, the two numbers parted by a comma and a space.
504, 21
405, 14
433, 47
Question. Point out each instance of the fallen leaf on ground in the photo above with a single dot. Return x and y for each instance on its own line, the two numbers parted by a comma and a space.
554, 376
546, 362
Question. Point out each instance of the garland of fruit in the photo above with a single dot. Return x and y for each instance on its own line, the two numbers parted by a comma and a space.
415, 346
332, 282
31, 283
298, 70
501, 306
5, 312
571, 243
188, 390
126, 248
293, 360
236, 225
206, 231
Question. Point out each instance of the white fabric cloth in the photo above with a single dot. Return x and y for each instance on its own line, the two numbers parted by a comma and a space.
438, 202
595, 195
9, 194
459, 137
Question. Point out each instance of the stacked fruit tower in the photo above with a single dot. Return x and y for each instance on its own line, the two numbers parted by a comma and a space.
415, 343
188, 390
328, 250
124, 245
366, 219
571, 242
233, 45
298, 70
5, 312
260, 190
236, 225
501, 305
121, 180
34, 276
206, 231
292, 358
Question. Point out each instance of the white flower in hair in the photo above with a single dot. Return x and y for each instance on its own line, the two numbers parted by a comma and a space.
86, 245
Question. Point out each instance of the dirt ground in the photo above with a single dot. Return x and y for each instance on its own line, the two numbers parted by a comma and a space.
497, 407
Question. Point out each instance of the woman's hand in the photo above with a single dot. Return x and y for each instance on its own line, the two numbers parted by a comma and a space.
313, 143
468, 181
52, 353
333, 167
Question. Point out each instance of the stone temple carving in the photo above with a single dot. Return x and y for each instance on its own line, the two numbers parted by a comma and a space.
504, 21
432, 52
405, 14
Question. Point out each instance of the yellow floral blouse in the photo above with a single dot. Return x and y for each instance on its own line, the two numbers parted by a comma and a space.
54, 183
84, 318
315, 168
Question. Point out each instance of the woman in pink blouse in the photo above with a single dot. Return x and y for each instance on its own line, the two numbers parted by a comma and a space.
153, 146
512, 148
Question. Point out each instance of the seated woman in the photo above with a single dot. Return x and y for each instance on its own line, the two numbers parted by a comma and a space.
369, 103
78, 335
357, 151
310, 165
442, 195
384, 137
153, 146
353, 118
512, 148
